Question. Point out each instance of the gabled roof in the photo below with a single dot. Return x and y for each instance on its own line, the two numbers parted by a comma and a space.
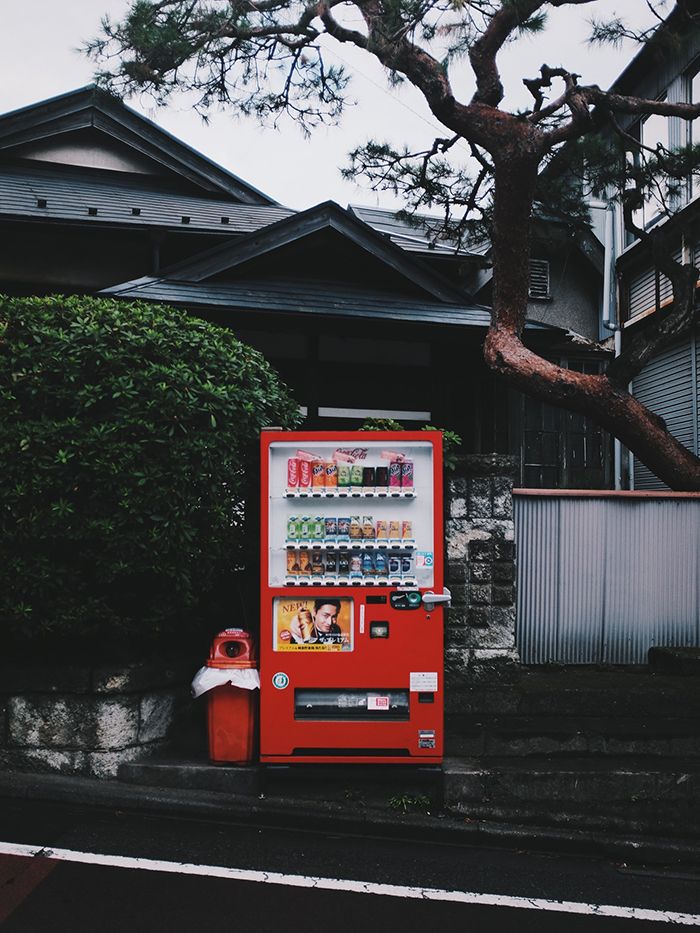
98, 112
324, 218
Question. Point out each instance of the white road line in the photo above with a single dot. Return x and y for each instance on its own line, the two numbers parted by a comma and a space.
354, 887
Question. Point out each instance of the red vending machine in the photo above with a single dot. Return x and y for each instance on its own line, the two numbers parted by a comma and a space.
352, 597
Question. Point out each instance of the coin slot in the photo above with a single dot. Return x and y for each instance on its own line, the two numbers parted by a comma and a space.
378, 629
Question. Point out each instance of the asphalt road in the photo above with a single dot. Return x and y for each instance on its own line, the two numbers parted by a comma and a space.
68, 891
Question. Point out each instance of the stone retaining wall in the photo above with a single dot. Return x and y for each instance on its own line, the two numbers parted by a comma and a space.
88, 719
480, 650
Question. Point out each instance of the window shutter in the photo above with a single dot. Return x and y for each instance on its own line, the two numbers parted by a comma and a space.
539, 278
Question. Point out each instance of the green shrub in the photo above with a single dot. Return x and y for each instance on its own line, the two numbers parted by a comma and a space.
451, 442
127, 436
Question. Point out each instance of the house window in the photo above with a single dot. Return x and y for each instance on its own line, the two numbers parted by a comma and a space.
654, 135
539, 279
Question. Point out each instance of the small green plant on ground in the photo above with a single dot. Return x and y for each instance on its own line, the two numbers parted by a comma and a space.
451, 441
127, 438
409, 802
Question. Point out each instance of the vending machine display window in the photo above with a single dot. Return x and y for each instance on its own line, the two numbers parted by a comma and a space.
368, 522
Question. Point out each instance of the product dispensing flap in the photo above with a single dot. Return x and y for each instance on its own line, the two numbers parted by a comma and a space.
207, 678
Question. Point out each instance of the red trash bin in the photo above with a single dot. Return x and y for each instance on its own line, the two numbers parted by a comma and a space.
233, 710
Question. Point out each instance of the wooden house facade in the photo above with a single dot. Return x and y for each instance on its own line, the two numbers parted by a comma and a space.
362, 315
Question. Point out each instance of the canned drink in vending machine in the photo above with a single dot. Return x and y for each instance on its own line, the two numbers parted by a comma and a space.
292, 473
331, 528
382, 478
394, 529
343, 528
394, 566
318, 475
394, 476
318, 528
367, 526
355, 527
292, 562
406, 566
292, 528
331, 562
304, 562
304, 527
407, 530
343, 564
369, 478
381, 564
407, 474
356, 475
317, 565
331, 474
382, 529
356, 565
368, 567
343, 474
304, 475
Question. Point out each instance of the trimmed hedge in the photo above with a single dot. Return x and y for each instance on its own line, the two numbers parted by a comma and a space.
127, 437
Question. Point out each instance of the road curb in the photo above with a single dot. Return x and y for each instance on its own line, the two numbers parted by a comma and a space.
325, 816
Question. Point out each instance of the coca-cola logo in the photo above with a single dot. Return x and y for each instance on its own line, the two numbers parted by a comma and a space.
350, 454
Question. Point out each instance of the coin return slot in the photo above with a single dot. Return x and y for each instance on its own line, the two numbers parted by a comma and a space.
375, 600
378, 629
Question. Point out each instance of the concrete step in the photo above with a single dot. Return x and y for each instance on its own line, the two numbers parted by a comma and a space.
623, 794
379, 786
526, 736
192, 774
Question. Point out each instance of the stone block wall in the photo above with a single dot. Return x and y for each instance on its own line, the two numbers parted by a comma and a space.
480, 647
88, 719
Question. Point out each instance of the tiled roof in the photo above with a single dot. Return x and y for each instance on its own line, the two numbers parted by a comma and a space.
296, 296
415, 239
72, 197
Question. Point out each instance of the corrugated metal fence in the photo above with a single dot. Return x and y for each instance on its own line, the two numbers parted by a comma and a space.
603, 576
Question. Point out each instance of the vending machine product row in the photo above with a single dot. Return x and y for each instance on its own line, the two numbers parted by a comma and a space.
352, 597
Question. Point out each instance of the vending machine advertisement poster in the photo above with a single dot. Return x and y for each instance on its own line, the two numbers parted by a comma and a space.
319, 625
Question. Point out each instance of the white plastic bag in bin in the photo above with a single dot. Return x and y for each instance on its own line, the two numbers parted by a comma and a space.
207, 678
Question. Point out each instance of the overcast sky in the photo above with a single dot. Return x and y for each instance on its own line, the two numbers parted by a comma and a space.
39, 59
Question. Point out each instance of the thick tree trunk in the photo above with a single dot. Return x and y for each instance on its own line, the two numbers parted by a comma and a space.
643, 432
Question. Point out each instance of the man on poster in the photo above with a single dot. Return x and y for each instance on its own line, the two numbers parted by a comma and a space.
324, 628
326, 621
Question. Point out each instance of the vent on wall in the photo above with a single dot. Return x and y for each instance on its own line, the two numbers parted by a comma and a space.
539, 278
